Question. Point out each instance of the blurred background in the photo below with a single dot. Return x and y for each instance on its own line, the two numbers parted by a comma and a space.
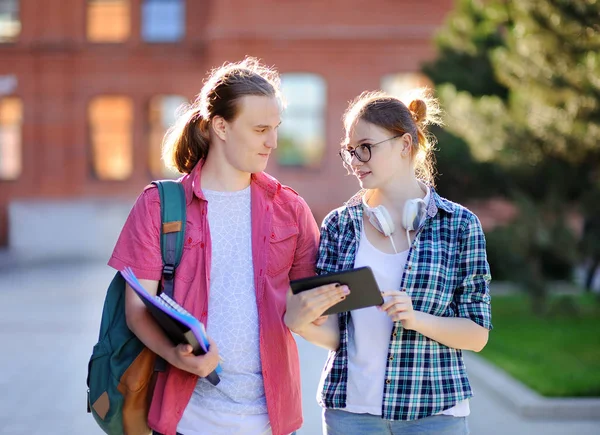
88, 89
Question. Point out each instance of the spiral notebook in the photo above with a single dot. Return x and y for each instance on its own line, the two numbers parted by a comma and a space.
177, 323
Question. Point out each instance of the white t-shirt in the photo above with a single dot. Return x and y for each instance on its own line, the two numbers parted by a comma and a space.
237, 404
369, 336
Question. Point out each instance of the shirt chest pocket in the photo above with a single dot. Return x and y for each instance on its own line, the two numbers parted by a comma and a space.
282, 247
193, 253
193, 236
430, 277
430, 290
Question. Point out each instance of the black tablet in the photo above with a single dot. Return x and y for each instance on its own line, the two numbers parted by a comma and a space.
364, 291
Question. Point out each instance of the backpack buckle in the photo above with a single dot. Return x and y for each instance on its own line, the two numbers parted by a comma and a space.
168, 271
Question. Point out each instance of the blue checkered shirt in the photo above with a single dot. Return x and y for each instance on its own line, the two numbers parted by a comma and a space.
447, 275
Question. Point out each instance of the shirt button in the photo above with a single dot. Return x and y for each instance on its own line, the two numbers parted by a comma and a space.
409, 267
395, 334
387, 381
202, 245
391, 358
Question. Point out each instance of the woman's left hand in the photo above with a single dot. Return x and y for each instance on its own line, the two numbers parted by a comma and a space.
398, 305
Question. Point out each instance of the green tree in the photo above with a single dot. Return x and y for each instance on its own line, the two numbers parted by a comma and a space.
520, 81
464, 65
471, 32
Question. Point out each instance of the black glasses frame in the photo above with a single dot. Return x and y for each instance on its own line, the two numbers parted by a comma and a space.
347, 155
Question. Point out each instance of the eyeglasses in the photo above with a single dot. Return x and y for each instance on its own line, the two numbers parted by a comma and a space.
362, 152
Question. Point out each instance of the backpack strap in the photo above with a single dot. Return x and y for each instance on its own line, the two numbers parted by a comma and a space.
172, 211
172, 231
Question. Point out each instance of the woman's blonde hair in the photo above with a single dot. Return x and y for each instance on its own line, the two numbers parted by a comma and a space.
392, 114
188, 140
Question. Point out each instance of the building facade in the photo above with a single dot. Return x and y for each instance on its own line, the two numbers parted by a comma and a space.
87, 88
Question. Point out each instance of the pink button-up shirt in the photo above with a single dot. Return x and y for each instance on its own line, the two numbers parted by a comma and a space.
284, 245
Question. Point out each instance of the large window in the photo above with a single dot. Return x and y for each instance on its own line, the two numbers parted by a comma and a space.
110, 122
10, 25
400, 84
163, 20
161, 115
302, 132
11, 122
108, 20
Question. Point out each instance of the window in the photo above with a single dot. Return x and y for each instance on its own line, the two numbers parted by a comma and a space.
302, 132
400, 84
163, 20
110, 121
161, 116
11, 121
10, 25
108, 20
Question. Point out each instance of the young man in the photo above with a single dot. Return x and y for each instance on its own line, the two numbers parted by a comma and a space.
246, 237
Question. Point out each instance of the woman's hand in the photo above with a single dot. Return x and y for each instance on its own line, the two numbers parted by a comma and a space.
308, 307
398, 305
201, 365
320, 320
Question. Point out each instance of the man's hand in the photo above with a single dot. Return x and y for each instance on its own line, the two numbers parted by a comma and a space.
201, 365
308, 306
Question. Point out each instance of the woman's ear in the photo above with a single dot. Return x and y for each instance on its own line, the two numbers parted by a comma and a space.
219, 126
406, 141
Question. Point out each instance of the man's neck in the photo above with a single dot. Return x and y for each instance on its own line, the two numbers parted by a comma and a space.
222, 177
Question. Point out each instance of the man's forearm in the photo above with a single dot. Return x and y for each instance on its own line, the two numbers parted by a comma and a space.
456, 332
143, 325
326, 335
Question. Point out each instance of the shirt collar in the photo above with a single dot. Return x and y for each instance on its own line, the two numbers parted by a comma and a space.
432, 199
192, 184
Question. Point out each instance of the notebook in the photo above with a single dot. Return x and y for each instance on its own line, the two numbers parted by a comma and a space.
177, 323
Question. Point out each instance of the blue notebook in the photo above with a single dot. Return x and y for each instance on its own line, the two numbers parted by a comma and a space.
177, 323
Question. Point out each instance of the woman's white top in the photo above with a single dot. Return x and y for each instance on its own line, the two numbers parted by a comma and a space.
369, 336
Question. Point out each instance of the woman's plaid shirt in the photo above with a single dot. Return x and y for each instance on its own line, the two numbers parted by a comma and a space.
446, 274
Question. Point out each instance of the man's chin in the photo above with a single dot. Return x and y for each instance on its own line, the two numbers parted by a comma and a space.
260, 167
255, 169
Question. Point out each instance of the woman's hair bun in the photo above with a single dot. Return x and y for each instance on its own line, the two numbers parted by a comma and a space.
418, 109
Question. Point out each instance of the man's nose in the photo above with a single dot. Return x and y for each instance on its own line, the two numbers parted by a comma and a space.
271, 139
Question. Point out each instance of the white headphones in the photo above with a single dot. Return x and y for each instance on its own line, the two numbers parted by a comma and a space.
413, 216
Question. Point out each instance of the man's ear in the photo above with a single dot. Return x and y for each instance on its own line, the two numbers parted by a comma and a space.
219, 126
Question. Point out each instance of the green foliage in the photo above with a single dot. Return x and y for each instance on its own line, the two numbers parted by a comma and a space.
520, 83
461, 177
540, 64
538, 244
472, 30
550, 61
590, 242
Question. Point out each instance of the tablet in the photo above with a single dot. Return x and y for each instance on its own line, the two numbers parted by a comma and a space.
364, 291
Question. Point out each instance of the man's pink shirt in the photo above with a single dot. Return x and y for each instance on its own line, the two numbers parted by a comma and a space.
284, 244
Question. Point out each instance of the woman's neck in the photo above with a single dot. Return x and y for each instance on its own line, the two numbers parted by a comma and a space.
217, 174
394, 196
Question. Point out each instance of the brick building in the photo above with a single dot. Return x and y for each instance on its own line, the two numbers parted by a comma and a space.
87, 88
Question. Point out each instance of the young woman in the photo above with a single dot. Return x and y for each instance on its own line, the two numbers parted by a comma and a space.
246, 237
398, 368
